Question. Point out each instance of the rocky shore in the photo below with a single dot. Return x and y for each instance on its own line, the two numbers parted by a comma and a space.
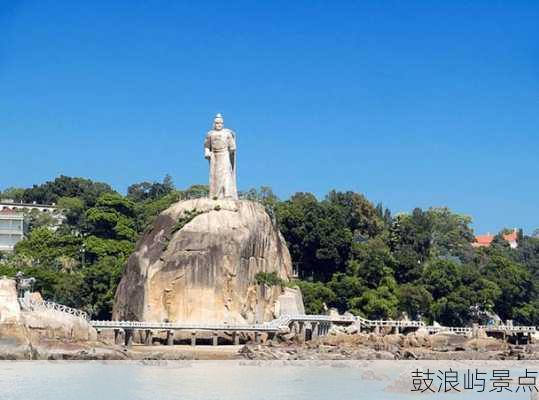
393, 347
44, 335
332, 347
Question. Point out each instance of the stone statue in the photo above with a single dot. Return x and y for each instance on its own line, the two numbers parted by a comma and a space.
220, 151
24, 285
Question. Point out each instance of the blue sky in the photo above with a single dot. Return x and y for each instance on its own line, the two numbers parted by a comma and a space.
414, 103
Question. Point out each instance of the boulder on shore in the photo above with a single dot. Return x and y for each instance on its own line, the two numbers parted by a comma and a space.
199, 262
23, 332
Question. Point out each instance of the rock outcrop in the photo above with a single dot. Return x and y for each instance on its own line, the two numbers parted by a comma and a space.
199, 262
10, 310
23, 332
14, 337
45, 324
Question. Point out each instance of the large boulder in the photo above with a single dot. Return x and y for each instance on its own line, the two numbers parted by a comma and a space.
14, 342
199, 262
10, 310
49, 324
24, 330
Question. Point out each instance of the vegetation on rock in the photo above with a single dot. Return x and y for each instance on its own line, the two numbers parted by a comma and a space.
185, 219
269, 278
182, 221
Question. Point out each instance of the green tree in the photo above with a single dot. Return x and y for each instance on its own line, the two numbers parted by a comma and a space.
412, 231
515, 282
316, 296
99, 284
13, 193
379, 303
371, 261
317, 235
147, 210
527, 254
441, 277
65, 186
345, 287
451, 234
360, 216
196, 191
110, 227
73, 209
265, 196
143, 191
414, 300
44, 246
451, 310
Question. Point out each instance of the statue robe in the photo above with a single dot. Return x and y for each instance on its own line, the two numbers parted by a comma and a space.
220, 150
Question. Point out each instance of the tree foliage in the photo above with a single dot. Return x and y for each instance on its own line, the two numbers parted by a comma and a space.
421, 264
65, 186
350, 254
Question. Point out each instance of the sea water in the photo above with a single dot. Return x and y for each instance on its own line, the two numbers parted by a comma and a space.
228, 380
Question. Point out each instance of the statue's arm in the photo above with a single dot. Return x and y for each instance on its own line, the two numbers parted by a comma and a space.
232, 149
207, 147
232, 142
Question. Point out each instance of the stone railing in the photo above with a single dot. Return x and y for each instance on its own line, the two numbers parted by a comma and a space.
274, 325
196, 196
182, 325
193, 196
32, 305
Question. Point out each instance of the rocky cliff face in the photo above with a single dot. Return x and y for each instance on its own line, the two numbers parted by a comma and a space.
198, 263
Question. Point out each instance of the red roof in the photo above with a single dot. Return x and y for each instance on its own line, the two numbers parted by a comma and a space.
486, 240
483, 240
8, 211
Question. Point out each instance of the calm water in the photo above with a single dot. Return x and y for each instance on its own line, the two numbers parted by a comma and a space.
219, 380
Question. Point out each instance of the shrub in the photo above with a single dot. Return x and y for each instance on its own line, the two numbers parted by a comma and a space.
269, 278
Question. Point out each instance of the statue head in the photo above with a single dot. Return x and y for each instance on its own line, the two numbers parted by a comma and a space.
218, 122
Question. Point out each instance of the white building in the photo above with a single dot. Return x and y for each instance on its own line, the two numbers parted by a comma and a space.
12, 205
11, 229
12, 218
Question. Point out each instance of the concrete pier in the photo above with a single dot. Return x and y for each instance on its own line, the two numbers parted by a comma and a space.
129, 337
170, 338
118, 336
314, 329
301, 332
148, 338
323, 329
236, 338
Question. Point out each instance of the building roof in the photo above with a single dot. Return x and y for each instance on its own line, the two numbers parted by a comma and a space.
486, 240
7, 213
483, 240
12, 203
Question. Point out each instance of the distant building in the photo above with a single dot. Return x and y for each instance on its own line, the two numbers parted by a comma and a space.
12, 220
12, 205
486, 240
11, 229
